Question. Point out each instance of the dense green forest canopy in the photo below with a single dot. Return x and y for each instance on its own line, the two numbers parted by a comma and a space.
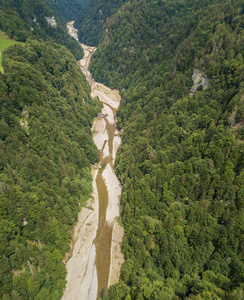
91, 21
66, 10
46, 150
181, 163
25, 19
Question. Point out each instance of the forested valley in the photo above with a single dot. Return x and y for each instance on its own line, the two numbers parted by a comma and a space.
178, 65
181, 161
46, 150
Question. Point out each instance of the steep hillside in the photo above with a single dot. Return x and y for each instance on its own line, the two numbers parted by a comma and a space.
181, 161
46, 150
5, 42
66, 10
92, 19
29, 19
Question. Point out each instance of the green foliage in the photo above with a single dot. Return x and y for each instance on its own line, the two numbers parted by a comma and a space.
46, 150
4, 43
181, 159
92, 19
66, 10
25, 19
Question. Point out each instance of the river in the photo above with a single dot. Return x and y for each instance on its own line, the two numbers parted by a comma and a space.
95, 259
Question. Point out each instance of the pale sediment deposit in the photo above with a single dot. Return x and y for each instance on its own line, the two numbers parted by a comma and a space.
106, 95
81, 264
117, 257
114, 192
116, 144
88, 272
100, 134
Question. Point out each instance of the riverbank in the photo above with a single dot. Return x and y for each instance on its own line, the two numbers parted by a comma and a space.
82, 275
80, 266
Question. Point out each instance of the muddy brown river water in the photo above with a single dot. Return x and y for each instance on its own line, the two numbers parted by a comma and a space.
104, 231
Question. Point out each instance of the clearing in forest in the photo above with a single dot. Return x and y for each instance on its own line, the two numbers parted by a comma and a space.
5, 42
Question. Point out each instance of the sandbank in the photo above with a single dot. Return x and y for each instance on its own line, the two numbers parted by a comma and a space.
114, 193
82, 249
117, 256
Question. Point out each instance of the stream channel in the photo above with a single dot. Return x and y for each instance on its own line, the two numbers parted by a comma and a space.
95, 259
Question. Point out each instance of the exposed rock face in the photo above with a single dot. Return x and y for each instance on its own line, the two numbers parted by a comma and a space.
51, 21
232, 118
23, 122
200, 79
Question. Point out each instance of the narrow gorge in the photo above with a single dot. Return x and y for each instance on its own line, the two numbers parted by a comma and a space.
96, 258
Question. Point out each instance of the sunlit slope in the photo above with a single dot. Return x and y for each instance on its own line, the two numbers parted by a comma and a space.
179, 67
5, 42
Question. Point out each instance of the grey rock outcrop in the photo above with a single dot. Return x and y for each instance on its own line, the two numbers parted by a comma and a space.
200, 79
51, 21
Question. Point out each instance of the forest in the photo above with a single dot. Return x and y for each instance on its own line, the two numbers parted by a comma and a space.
25, 19
66, 10
181, 163
46, 152
91, 20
